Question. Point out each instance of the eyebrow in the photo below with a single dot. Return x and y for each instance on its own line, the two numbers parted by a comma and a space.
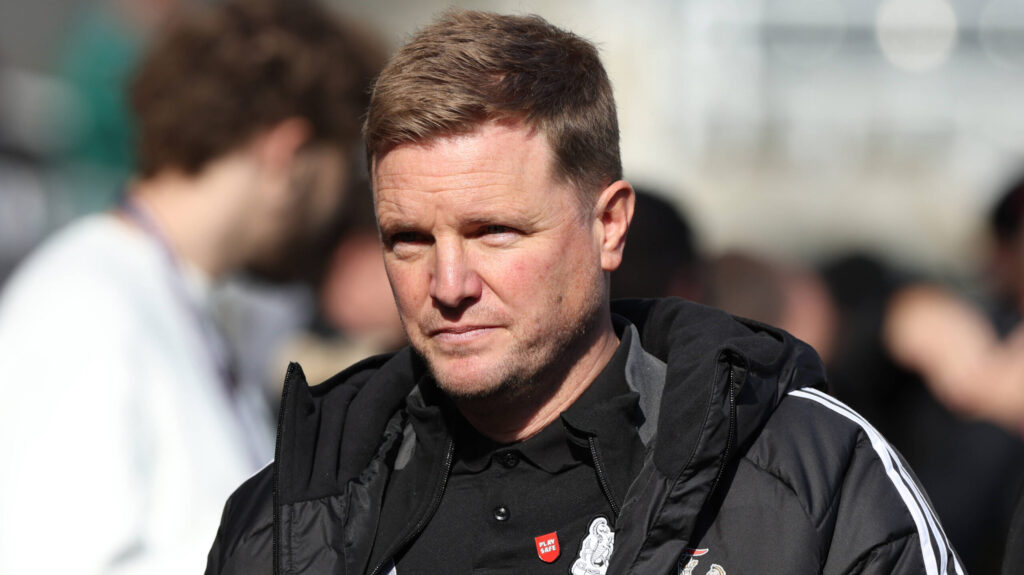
392, 225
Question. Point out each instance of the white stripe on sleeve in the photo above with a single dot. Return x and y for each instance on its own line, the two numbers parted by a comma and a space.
928, 527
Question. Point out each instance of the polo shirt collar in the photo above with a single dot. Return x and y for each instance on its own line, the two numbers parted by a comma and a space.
607, 410
607, 405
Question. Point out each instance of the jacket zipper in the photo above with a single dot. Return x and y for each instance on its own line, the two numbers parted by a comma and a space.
277, 472
435, 502
601, 477
731, 437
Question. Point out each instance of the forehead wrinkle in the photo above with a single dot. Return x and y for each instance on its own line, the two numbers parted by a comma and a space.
450, 153
480, 182
472, 205
466, 175
394, 214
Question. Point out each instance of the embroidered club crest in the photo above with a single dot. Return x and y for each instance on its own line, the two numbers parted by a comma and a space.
596, 549
547, 547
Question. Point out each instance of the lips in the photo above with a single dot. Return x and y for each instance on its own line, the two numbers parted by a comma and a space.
459, 330
456, 329
460, 336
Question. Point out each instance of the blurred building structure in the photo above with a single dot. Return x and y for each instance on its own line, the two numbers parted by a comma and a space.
798, 126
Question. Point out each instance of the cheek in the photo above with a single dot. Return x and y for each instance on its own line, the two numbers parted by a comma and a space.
405, 286
518, 275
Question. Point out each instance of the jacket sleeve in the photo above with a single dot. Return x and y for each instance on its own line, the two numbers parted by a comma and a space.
1014, 557
244, 543
882, 519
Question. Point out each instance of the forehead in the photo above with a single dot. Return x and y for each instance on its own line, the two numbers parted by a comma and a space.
510, 153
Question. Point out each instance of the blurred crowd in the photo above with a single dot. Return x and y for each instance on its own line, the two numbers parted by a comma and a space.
936, 365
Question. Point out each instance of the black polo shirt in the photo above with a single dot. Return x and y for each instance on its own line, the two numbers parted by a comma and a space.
500, 499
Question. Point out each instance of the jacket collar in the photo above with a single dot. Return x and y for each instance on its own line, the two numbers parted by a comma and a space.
722, 377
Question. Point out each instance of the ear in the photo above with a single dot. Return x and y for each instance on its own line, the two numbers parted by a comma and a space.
614, 211
277, 147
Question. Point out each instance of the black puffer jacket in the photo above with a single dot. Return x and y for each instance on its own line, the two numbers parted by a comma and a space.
750, 468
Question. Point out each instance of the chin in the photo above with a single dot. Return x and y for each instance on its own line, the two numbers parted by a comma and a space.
461, 379
460, 384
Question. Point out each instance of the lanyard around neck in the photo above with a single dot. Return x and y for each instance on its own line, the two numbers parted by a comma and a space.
215, 344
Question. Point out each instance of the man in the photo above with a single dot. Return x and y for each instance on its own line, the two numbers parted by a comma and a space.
532, 427
123, 427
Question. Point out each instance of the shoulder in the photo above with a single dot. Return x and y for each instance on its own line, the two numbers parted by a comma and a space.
814, 442
854, 487
1015, 541
810, 440
95, 261
98, 239
79, 295
244, 542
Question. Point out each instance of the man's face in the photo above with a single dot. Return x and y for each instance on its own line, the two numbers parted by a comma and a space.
495, 265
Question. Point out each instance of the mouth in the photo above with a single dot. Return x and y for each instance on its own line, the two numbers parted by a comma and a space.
461, 333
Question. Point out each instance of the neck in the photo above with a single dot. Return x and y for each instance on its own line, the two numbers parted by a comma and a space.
196, 216
508, 418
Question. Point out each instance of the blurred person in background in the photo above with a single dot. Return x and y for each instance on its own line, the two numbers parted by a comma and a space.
1007, 224
355, 314
785, 295
972, 354
662, 255
124, 425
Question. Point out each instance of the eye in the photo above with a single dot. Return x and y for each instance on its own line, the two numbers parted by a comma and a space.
406, 243
496, 229
498, 235
407, 238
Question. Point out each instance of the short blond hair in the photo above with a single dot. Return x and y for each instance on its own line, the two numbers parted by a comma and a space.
471, 67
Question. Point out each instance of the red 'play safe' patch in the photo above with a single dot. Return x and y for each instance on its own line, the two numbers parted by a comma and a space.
547, 547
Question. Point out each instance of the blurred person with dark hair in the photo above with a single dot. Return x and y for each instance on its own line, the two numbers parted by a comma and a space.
123, 425
1006, 220
662, 256
971, 355
355, 311
1006, 263
785, 295
534, 426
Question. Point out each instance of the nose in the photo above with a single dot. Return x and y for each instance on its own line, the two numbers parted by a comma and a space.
454, 282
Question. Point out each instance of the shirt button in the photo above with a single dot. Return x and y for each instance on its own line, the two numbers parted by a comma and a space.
501, 513
508, 459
